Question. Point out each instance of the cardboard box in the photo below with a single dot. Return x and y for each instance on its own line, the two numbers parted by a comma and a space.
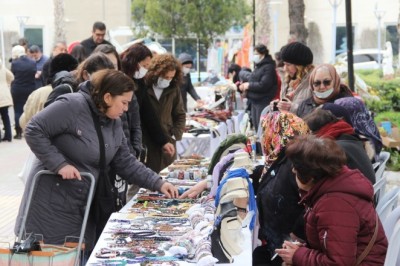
392, 141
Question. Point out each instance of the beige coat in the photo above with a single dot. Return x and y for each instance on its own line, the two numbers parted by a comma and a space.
34, 104
6, 77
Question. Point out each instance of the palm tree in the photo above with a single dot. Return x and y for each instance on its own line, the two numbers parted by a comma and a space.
298, 29
59, 24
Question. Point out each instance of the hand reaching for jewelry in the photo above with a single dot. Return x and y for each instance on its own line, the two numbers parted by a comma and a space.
194, 191
69, 172
169, 190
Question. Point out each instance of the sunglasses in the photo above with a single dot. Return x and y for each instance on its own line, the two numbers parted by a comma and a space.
326, 82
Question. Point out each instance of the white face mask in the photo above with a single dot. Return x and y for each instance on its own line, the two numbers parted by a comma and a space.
141, 73
323, 95
256, 58
185, 70
163, 83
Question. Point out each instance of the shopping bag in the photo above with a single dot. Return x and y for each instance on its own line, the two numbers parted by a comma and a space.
50, 255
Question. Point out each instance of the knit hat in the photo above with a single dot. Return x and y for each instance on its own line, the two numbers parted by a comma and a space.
297, 53
17, 51
185, 58
338, 111
62, 62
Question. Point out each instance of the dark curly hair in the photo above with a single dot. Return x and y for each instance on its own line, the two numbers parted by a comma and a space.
315, 158
109, 81
131, 57
160, 66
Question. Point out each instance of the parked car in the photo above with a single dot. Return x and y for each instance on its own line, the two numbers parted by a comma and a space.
363, 58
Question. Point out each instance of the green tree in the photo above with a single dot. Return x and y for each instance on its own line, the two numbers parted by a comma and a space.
203, 19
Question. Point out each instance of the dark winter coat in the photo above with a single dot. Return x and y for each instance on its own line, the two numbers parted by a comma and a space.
263, 82
187, 87
340, 222
308, 105
64, 133
169, 111
24, 70
148, 117
90, 45
356, 156
277, 202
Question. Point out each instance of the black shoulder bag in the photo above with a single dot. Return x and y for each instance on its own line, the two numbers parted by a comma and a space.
106, 198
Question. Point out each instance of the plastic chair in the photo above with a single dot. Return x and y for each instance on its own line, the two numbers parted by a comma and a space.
392, 230
383, 158
379, 189
388, 203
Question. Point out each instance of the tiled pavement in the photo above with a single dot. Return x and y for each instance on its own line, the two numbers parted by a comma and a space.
12, 158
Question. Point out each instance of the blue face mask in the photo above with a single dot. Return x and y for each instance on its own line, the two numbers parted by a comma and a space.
323, 95
163, 83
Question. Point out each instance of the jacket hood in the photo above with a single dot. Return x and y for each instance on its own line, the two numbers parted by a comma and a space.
348, 181
63, 77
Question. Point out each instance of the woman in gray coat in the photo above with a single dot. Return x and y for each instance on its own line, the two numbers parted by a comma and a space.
63, 137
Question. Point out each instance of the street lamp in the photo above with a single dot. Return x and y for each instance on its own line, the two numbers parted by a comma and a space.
335, 4
379, 13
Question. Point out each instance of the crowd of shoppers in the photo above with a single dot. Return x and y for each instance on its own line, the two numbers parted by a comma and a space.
317, 140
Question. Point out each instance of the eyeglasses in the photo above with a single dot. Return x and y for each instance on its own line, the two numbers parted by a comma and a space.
326, 82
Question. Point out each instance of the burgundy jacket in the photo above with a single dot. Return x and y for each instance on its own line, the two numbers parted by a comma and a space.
340, 221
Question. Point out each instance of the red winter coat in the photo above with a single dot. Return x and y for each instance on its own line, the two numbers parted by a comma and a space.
340, 222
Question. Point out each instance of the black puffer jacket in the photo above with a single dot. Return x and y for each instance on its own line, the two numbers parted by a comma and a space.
277, 202
263, 82
62, 83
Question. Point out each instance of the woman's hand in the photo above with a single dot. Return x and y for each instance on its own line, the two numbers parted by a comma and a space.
244, 86
287, 251
199, 103
169, 149
194, 191
284, 105
69, 172
169, 190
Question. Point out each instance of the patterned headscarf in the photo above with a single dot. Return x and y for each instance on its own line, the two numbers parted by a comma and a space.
278, 129
335, 82
362, 120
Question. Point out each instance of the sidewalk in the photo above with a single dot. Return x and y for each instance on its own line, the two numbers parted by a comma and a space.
12, 157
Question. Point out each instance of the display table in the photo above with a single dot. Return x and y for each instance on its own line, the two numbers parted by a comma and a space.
206, 144
125, 217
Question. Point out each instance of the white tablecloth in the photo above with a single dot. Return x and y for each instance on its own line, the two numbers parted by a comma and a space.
206, 144
244, 258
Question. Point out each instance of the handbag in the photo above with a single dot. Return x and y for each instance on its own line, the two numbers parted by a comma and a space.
106, 199
370, 244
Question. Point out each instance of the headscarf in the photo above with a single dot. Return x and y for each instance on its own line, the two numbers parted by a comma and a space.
335, 82
362, 120
278, 129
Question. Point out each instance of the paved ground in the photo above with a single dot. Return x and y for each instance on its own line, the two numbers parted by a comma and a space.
12, 157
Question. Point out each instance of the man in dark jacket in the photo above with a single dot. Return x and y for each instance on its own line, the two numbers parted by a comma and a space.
262, 84
97, 38
187, 86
